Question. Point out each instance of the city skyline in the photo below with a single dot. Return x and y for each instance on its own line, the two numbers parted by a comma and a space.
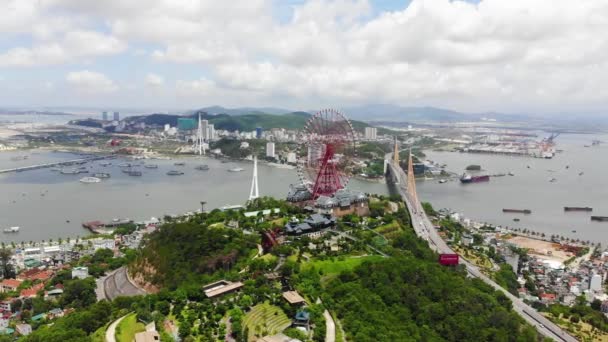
515, 56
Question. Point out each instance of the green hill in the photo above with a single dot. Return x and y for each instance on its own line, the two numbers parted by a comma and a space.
190, 252
245, 122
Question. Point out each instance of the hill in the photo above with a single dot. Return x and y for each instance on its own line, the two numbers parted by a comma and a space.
190, 252
214, 110
245, 122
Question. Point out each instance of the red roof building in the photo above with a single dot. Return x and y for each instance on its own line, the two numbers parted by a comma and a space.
8, 285
32, 291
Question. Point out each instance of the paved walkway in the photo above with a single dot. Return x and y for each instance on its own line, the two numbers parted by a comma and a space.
330, 326
111, 331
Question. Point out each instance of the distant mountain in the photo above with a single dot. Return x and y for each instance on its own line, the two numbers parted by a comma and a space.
214, 110
387, 112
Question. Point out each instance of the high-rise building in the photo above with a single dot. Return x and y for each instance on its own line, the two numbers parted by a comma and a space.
205, 129
270, 149
186, 124
371, 133
258, 132
116, 116
211, 132
104, 116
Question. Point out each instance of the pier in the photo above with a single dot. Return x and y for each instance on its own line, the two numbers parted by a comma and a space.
63, 163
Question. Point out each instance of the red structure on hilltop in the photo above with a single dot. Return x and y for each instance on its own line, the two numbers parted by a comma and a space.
328, 148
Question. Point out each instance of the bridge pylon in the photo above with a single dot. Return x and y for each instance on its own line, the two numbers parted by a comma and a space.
411, 179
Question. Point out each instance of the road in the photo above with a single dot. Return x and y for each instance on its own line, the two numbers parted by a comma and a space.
111, 331
426, 230
117, 283
330, 327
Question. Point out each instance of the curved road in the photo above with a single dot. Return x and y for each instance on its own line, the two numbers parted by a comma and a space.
118, 283
426, 230
111, 331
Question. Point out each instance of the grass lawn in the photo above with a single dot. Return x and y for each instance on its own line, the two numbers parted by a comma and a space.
265, 319
336, 266
127, 328
100, 334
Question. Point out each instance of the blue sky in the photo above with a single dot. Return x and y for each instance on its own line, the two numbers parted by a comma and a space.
510, 56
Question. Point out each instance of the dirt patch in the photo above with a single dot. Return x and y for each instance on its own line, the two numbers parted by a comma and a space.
542, 249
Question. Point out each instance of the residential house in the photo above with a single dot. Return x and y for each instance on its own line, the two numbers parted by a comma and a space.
23, 329
9, 285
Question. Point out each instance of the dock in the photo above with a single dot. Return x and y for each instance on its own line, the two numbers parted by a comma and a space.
63, 163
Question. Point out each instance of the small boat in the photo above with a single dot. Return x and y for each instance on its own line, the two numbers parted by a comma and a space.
101, 175
574, 231
134, 173
104, 164
516, 219
236, 169
567, 166
179, 164
552, 180
70, 172
90, 180
441, 181
11, 230
151, 166
511, 174
202, 167
581, 173
528, 166
125, 165
174, 173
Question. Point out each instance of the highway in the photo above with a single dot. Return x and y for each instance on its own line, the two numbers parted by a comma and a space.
425, 229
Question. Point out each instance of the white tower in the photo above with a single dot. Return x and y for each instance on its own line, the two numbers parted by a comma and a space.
199, 148
254, 193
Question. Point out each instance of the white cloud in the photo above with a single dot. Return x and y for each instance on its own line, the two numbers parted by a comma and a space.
498, 55
73, 45
154, 80
90, 82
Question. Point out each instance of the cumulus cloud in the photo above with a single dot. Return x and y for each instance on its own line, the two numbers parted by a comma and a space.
154, 80
491, 55
90, 82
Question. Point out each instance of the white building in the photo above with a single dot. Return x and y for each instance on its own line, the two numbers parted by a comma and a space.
244, 145
371, 133
270, 149
205, 129
80, 272
596, 282
167, 127
211, 132
291, 157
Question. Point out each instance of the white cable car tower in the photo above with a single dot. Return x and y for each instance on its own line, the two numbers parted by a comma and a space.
254, 193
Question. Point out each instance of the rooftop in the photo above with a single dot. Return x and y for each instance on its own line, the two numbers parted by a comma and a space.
221, 288
293, 297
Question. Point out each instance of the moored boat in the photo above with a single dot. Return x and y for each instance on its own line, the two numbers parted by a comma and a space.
578, 209
89, 180
467, 178
174, 173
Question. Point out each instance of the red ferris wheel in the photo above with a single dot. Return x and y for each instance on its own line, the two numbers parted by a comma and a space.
326, 153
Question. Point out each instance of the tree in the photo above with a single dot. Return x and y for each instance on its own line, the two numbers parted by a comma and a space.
7, 270
79, 293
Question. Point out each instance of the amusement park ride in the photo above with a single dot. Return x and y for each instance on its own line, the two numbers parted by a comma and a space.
327, 152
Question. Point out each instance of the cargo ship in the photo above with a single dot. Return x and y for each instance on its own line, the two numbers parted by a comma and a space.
517, 211
599, 218
578, 209
466, 178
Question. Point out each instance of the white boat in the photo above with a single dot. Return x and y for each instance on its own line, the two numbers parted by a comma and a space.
89, 180
236, 169
11, 230
441, 181
151, 166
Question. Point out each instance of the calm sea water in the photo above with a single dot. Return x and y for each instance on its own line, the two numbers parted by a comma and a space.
156, 194
530, 188
122, 196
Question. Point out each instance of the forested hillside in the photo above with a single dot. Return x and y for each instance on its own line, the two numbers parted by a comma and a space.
190, 252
